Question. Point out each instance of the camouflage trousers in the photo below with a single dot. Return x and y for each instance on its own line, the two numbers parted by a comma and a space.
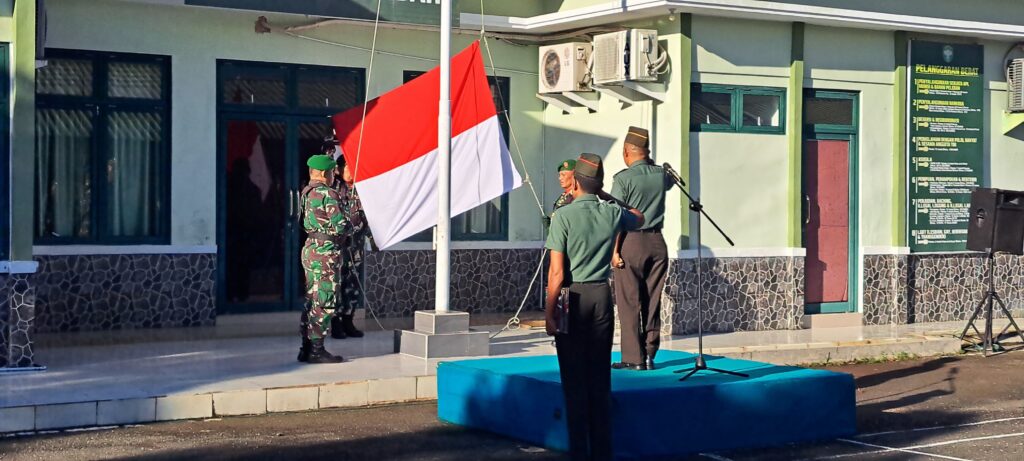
350, 292
322, 281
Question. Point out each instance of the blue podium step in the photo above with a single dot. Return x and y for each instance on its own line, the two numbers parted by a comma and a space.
654, 414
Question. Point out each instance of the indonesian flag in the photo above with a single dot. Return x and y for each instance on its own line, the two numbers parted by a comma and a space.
395, 169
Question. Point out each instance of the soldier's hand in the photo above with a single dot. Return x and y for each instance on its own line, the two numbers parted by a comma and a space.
617, 262
550, 326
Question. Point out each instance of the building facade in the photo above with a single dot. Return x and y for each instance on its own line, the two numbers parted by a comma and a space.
155, 148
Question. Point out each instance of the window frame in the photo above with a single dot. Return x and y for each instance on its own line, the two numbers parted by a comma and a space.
291, 73
100, 106
5, 150
504, 85
736, 93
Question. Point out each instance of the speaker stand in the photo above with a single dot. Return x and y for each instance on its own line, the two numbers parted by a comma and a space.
989, 342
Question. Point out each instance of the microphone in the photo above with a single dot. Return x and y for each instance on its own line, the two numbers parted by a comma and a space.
673, 174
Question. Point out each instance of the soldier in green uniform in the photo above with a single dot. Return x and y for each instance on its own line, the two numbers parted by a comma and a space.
357, 234
641, 257
324, 222
580, 240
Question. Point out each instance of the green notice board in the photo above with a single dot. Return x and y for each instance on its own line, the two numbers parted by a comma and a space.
945, 154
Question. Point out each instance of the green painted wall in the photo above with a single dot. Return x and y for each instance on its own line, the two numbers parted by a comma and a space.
1005, 163
602, 132
999, 11
23, 129
196, 38
861, 61
742, 177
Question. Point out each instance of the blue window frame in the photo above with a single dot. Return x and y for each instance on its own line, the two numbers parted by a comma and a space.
102, 148
743, 109
5, 151
490, 220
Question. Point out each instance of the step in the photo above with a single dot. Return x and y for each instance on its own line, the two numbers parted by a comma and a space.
853, 319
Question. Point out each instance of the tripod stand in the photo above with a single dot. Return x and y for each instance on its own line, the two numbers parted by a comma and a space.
700, 364
990, 342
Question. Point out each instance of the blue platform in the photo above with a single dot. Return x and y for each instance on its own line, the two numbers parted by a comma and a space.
653, 413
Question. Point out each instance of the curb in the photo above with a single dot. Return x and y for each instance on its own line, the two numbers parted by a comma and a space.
175, 407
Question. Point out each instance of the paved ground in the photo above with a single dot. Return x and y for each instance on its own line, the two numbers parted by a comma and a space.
964, 408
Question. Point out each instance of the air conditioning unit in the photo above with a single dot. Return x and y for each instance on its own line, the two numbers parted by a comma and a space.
1015, 79
626, 55
564, 67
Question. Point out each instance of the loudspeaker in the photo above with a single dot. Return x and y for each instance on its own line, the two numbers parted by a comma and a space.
996, 221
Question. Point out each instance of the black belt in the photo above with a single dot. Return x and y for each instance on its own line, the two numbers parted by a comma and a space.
336, 239
653, 230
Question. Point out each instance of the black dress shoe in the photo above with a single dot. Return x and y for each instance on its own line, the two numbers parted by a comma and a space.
649, 364
628, 366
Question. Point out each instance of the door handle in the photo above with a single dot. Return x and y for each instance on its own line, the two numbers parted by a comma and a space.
807, 209
291, 205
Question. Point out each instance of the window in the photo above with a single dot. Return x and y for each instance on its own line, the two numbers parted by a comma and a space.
5, 150
738, 109
284, 88
102, 148
490, 220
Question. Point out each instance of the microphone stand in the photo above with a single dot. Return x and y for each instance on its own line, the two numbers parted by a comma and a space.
700, 364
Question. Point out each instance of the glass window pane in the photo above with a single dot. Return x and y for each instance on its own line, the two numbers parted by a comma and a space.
761, 110
65, 77
482, 220
339, 90
134, 177
260, 87
63, 179
135, 80
710, 108
826, 111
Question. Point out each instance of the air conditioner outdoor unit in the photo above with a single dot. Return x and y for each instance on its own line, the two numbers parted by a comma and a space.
1015, 79
563, 67
626, 55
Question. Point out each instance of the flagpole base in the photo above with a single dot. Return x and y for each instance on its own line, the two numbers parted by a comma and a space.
439, 335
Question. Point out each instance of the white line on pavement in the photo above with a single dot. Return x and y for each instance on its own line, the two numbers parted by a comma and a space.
935, 428
885, 449
715, 457
972, 439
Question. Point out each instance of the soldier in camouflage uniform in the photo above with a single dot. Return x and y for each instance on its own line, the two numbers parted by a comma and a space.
357, 233
566, 182
325, 223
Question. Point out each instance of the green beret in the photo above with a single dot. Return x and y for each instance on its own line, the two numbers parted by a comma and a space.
567, 165
321, 162
589, 166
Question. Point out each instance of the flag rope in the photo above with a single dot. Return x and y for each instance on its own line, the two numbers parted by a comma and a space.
514, 322
366, 94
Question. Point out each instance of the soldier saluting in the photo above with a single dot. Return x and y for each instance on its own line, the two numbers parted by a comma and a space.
581, 239
324, 223
641, 257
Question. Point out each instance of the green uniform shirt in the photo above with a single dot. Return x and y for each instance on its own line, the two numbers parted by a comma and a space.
643, 186
584, 230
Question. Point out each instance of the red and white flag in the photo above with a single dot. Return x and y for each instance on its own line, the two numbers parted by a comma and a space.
395, 169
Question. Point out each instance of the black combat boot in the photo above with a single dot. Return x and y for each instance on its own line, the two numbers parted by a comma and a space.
304, 351
349, 327
317, 353
338, 329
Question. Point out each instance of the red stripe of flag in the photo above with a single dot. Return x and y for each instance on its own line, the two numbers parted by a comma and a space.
401, 125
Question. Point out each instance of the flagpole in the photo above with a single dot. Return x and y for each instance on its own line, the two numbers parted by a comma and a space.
442, 238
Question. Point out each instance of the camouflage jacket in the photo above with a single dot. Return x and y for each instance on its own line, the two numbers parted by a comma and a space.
358, 228
563, 200
322, 213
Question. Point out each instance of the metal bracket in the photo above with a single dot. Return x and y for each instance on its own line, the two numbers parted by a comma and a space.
567, 101
630, 93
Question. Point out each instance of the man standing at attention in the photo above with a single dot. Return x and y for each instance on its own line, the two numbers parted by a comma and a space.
325, 223
565, 181
356, 236
580, 240
641, 257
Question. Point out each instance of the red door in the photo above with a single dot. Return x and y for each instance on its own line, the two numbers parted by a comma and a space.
827, 230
